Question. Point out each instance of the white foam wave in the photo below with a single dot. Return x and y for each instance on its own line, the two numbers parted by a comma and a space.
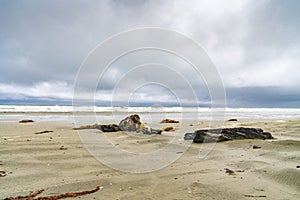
202, 112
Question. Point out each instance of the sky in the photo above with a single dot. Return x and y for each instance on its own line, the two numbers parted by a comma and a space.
254, 45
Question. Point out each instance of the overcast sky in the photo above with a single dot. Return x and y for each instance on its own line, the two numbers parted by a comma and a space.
255, 45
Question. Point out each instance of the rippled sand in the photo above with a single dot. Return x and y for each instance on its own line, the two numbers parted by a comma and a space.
58, 162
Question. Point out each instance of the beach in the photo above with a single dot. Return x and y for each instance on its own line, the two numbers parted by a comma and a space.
59, 162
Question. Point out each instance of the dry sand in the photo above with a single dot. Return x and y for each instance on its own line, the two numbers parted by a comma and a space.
58, 162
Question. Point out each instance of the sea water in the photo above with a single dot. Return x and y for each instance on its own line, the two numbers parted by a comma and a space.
57, 111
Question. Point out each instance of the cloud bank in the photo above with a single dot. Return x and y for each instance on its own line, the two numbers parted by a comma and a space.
255, 46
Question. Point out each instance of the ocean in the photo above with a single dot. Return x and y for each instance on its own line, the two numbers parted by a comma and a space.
201, 113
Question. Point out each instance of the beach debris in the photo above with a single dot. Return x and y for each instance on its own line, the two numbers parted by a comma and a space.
259, 189
130, 123
220, 135
298, 166
63, 148
94, 126
42, 132
256, 147
169, 121
229, 171
232, 120
169, 128
28, 197
53, 197
3, 173
104, 128
26, 121
249, 195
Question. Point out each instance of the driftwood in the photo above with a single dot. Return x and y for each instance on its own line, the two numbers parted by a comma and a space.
249, 195
42, 132
219, 135
169, 128
130, 123
169, 121
53, 197
28, 197
104, 128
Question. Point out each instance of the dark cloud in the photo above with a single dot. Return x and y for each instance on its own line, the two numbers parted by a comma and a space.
254, 44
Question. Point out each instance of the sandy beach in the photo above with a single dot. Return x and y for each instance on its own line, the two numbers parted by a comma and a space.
59, 163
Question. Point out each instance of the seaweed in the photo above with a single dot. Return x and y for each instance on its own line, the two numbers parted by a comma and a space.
53, 197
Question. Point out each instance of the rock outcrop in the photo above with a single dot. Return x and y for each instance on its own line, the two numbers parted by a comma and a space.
219, 135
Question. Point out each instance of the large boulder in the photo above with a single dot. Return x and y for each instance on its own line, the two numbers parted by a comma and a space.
130, 123
133, 123
219, 135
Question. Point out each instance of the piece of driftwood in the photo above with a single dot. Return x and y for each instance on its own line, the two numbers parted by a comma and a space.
169, 121
249, 195
94, 126
104, 127
42, 132
130, 123
53, 197
168, 128
28, 197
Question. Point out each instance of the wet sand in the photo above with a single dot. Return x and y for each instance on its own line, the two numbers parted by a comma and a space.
58, 162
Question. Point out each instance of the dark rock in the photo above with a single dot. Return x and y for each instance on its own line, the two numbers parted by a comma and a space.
232, 120
3, 173
229, 171
63, 148
256, 147
26, 121
219, 135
